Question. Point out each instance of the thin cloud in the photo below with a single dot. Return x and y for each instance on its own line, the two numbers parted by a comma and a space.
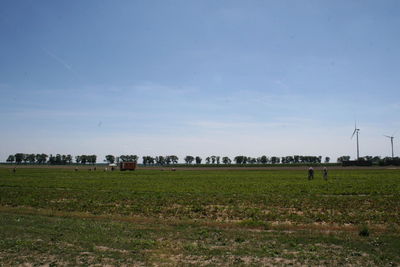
163, 89
58, 59
236, 125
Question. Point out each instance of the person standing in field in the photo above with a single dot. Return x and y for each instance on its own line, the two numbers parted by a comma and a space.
310, 173
325, 173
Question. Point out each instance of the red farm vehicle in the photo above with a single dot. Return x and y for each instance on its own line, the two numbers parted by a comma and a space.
127, 166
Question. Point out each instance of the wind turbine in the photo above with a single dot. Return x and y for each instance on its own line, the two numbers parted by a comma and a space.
391, 141
356, 130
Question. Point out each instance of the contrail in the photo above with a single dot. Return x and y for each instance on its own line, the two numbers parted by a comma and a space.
59, 60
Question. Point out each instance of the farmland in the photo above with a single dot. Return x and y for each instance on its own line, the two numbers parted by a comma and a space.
193, 217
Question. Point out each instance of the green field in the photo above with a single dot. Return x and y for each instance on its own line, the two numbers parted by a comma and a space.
199, 217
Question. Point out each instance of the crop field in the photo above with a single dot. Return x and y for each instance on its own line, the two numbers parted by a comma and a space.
59, 217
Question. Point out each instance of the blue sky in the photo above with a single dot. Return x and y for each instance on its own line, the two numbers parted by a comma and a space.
199, 77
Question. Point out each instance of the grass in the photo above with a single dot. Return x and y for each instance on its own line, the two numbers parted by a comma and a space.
210, 217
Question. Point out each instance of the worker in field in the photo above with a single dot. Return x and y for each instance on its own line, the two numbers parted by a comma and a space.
310, 173
325, 173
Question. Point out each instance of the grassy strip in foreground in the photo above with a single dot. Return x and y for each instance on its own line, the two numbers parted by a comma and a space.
38, 240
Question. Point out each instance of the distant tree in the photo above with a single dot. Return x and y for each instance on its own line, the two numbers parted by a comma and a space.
64, 159
25, 158
160, 160
188, 159
275, 160
390, 161
171, 159
124, 158
289, 159
19, 157
213, 159
52, 159
147, 160
84, 159
368, 158
127, 158
92, 159
10, 159
78, 159
327, 159
58, 159
198, 160
174, 159
208, 159
239, 159
133, 158
68, 159
263, 159
226, 160
251, 160
30, 158
110, 159
343, 158
152, 160
218, 159
41, 158
376, 160
386, 160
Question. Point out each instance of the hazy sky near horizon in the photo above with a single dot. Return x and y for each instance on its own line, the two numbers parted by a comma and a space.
204, 78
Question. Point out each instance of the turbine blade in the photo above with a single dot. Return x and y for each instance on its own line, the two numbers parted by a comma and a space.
353, 133
387, 136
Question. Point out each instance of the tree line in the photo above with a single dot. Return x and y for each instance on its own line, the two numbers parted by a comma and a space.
57, 159
256, 160
173, 159
60, 159
374, 160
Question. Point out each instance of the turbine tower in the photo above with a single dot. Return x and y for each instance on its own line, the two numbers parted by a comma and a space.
391, 141
356, 130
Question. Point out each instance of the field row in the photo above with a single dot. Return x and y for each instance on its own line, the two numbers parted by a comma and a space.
74, 241
355, 196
